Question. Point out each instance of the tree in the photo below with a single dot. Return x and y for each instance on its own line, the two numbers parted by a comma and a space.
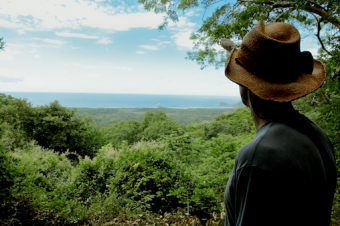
234, 20
61, 129
51, 126
157, 125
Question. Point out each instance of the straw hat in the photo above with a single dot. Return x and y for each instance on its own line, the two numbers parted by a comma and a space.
270, 64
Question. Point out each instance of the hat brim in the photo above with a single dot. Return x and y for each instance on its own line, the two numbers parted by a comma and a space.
281, 92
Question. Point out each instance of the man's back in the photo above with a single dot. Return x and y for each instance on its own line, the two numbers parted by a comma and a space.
285, 176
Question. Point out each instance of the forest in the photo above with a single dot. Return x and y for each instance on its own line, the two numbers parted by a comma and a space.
106, 116
62, 169
59, 168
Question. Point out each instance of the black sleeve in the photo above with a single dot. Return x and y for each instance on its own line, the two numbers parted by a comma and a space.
251, 198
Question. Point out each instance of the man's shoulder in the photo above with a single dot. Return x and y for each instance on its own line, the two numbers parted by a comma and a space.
246, 154
278, 144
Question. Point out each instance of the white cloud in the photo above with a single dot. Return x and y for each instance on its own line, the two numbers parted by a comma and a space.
74, 14
17, 52
182, 23
10, 76
165, 42
94, 75
182, 39
104, 41
140, 52
184, 29
37, 56
155, 40
314, 51
125, 68
7, 54
33, 51
190, 13
151, 47
52, 41
74, 47
7, 79
75, 35
21, 32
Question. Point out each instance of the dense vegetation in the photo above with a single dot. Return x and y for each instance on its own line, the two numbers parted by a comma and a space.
142, 172
106, 116
123, 171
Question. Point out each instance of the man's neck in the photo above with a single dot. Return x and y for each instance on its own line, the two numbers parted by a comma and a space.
259, 122
282, 114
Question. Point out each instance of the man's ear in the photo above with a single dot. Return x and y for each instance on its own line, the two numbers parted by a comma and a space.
244, 92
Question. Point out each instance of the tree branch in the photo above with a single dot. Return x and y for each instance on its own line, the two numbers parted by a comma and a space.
311, 9
336, 37
269, 13
318, 36
283, 13
317, 5
323, 14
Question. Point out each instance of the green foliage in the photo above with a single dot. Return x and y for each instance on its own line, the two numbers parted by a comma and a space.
156, 125
17, 117
2, 44
234, 20
235, 123
123, 131
142, 177
107, 116
46, 191
226, 125
50, 190
60, 129
51, 126
145, 174
187, 167
7, 171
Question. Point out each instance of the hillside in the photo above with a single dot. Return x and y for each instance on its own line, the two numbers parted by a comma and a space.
106, 116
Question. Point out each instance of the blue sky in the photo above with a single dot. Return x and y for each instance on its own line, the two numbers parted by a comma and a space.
103, 47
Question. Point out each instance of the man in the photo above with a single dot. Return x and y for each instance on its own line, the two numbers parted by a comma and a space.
286, 175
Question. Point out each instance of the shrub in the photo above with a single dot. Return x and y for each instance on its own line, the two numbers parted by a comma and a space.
146, 173
123, 131
157, 125
7, 170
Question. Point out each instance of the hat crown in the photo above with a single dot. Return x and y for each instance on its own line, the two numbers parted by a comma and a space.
270, 64
281, 32
272, 52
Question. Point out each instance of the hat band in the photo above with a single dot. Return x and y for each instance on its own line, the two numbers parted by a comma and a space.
274, 76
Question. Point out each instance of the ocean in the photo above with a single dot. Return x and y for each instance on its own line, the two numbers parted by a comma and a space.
116, 100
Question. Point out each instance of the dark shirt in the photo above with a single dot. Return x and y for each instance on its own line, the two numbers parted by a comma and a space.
285, 176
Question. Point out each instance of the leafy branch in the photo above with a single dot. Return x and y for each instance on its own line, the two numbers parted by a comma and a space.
2, 44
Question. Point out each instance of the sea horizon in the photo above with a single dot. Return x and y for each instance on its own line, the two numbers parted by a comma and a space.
124, 100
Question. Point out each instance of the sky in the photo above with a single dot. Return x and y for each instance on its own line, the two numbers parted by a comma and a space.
98, 46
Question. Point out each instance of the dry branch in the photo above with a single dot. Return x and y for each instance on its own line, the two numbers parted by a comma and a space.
318, 36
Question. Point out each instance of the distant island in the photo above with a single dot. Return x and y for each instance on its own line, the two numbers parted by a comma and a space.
235, 105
